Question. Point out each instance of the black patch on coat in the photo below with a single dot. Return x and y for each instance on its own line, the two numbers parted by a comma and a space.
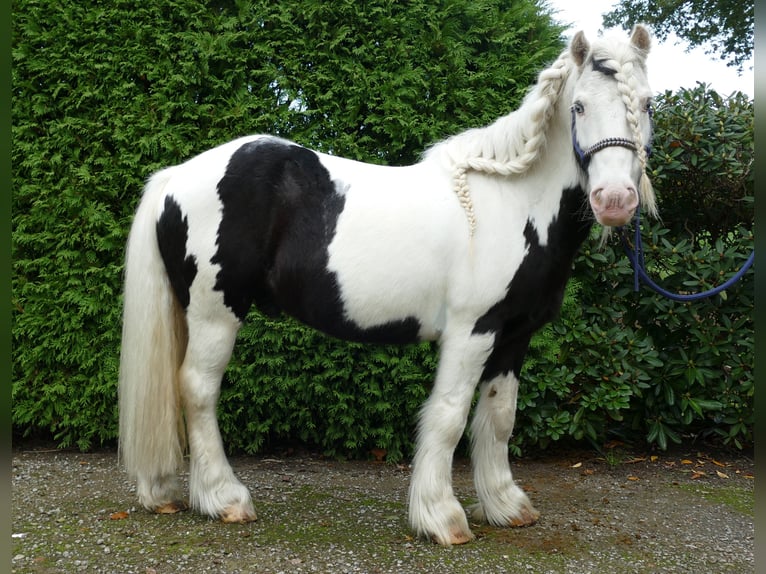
172, 233
536, 291
280, 211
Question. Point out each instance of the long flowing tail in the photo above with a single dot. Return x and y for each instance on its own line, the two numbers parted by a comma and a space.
152, 437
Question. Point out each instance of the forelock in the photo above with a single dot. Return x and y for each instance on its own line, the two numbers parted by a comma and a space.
609, 55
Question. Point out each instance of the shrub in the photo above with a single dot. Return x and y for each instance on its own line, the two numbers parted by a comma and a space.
638, 367
290, 383
702, 165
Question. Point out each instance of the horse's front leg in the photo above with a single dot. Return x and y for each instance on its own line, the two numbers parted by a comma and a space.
214, 490
501, 502
434, 512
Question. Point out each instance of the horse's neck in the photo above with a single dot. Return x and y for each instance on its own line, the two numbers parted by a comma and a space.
555, 163
554, 183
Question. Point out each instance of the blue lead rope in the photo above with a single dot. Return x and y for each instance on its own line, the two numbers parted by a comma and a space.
636, 256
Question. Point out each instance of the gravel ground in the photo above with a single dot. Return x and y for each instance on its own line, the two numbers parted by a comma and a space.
683, 512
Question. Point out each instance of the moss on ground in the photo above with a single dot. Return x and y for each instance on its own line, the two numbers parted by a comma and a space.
735, 497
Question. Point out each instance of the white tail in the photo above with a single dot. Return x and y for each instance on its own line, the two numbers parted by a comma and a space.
152, 437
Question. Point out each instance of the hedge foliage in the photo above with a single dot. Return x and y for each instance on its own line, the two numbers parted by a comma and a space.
105, 94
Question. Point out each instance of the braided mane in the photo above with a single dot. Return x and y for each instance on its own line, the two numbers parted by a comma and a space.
512, 143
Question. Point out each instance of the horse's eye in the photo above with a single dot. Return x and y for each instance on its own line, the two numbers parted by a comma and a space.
649, 107
578, 107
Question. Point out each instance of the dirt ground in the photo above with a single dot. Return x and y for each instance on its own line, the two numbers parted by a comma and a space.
689, 511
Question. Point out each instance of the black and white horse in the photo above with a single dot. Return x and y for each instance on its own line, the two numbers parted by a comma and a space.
472, 247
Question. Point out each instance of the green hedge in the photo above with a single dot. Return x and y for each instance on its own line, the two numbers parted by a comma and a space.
105, 95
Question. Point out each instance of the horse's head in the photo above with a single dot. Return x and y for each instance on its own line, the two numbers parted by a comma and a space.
611, 124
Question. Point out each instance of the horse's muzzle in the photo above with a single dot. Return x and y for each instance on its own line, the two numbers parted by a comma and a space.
613, 205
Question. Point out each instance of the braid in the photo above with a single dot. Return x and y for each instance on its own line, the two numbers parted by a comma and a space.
550, 83
463, 193
502, 155
626, 85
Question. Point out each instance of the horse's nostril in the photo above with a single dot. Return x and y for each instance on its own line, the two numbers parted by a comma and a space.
596, 194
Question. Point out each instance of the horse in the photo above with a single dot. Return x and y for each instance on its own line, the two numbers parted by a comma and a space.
471, 247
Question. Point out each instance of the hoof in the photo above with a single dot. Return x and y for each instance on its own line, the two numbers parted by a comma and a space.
527, 517
460, 537
237, 515
456, 536
171, 507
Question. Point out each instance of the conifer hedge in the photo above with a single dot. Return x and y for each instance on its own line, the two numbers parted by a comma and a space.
104, 94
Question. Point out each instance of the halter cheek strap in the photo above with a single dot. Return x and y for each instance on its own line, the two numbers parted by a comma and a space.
584, 155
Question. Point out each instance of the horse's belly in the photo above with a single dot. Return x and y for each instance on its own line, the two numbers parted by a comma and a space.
391, 263
382, 285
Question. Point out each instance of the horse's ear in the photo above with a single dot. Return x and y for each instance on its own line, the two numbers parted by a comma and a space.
641, 38
579, 48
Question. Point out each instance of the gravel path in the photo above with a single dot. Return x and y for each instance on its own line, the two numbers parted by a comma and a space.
687, 512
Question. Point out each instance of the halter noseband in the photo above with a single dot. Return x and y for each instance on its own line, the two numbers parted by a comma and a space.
584, 155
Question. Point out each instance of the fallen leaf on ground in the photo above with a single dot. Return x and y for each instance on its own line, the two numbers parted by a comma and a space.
119, 515
721, 474
576, 465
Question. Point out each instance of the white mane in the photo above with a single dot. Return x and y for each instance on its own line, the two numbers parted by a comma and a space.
513, 142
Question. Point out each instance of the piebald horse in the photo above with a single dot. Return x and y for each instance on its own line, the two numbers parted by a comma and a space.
471, 246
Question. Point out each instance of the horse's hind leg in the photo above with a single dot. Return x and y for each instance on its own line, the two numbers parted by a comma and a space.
214, 490
501, 501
